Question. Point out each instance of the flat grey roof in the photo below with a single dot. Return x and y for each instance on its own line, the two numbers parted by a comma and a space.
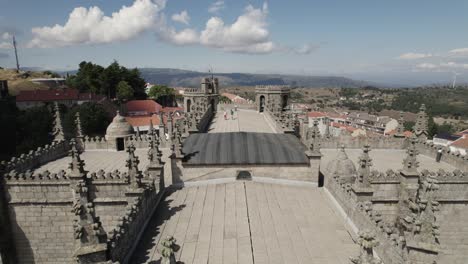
246, 148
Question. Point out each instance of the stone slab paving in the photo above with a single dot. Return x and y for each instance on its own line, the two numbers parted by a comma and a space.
244, 120
385, 159
248, 222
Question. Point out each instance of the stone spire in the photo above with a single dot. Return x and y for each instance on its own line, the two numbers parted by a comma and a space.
427, 230
79, 130
90, 238
138, 132
132, 164
327, 128
421, 126
363, 171
178, 143
151, 130
154, 153
367, 242
314, 135
400, 130
410, 163
58, 128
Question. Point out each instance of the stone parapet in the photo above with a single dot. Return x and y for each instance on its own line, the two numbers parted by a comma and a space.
453, 158
36, 158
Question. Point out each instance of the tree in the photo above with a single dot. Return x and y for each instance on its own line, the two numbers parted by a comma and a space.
33, 127
95, 78
224, 99
157, 91
93, 116
124, 91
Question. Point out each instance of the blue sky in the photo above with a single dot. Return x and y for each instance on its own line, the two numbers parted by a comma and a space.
383, 41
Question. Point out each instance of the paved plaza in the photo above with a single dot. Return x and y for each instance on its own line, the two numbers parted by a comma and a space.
244, 120
248, 222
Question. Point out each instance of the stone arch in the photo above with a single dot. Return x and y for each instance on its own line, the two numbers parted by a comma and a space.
284, 101
244, 175
188, 105
261, 104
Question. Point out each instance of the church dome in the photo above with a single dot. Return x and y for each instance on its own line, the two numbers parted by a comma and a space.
119, 127
342, 166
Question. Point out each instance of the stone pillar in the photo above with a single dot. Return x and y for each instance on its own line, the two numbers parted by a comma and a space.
135, 187
176, 160
90, 238
156, 166
362, 189
58, 128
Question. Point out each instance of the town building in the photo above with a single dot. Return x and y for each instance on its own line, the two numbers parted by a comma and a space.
67, 96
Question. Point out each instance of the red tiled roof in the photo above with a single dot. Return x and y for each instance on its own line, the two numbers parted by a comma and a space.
172, 109
48, 95
461, 142
461, 133
91, 96
143, 106
316, 114
137, 121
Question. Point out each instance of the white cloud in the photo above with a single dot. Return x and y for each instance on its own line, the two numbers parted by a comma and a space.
5, 45
91, 26
459, 52
427, 66
306, 49
6, 36
415, 56
248, 34
442, 67
182, 17
216, 6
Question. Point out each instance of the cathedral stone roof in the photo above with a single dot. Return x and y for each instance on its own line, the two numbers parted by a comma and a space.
119, 127
342, 165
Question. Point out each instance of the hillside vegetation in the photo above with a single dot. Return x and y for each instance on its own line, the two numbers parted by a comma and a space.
22, 81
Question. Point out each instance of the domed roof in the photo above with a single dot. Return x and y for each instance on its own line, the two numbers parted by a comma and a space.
119, 127
342, 165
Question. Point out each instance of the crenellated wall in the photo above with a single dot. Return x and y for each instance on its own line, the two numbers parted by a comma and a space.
39, 207
381, 212
36, 158
454, 159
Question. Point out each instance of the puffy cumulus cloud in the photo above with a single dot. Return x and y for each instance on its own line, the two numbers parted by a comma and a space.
248, 34
91, 26
184, 37
216, 6
183, 17
414, 56
5, 42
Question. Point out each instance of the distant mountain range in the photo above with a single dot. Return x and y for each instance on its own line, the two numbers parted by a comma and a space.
184, 78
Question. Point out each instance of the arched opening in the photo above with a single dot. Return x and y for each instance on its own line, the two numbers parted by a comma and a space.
284, 102
321, 180
189, 105
244, 176
213, 105
262, 104
120, 144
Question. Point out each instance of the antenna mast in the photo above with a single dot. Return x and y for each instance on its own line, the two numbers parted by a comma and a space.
16, 54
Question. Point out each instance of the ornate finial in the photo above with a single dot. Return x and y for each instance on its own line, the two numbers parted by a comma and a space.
168, 249
138, 132
151, 131
132, 165
410, 163
327, 128
76, 165
154, 153
79, 131
58, 128
365, 163
421, 125
400, 130
367, 242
